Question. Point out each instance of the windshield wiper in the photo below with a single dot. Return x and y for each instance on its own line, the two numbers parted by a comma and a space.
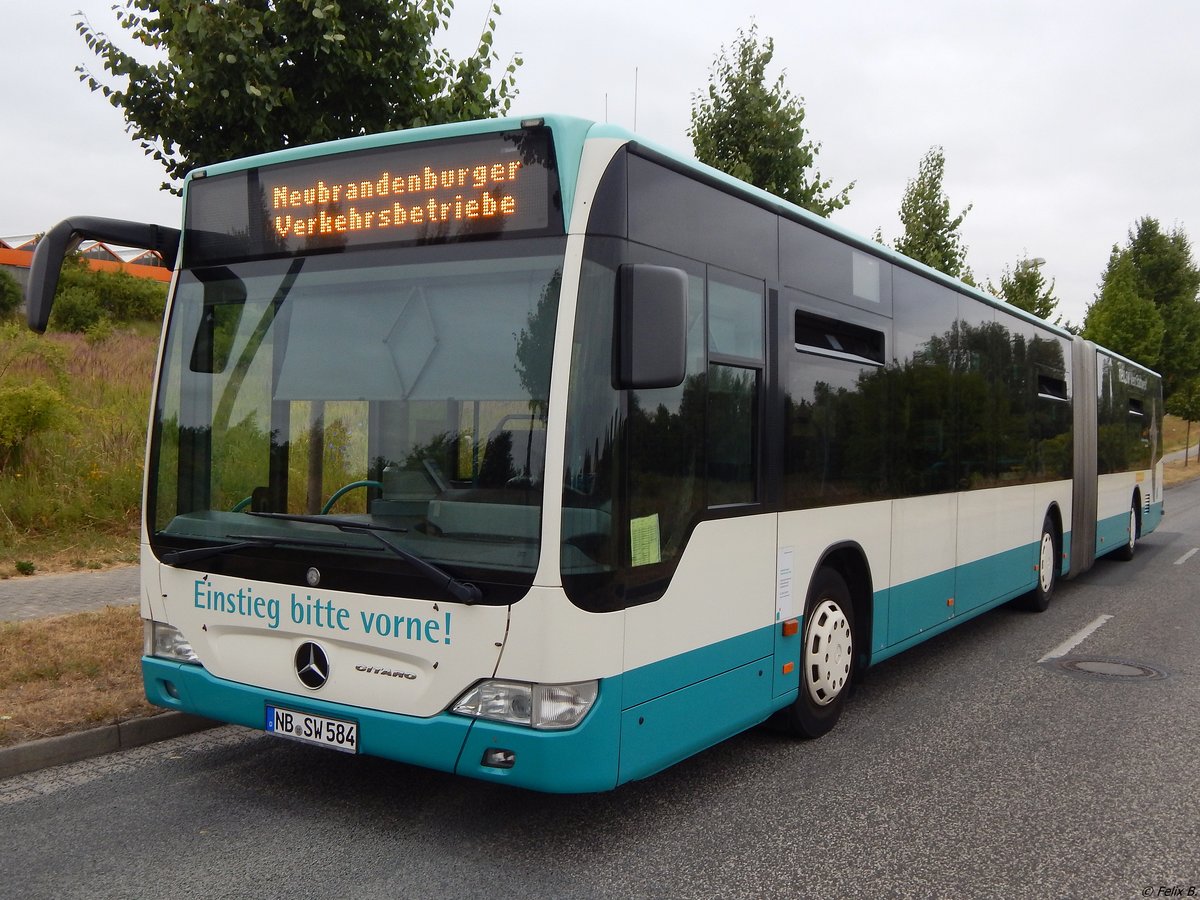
241, 542
463, 591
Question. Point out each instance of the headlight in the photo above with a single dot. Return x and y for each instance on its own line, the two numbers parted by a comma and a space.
546, 706
168, 642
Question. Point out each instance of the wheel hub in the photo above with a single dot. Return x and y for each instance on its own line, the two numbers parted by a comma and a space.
1046, 563
828, 652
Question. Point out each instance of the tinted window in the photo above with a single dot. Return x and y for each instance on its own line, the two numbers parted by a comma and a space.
732, 435
676, 213
922, 417
735, 315
818, 264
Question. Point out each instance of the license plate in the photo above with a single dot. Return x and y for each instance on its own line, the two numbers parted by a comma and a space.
336, 733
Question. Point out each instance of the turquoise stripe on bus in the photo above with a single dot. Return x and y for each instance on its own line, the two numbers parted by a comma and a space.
658, 678
919, 608
663, 731
1112, 533
1152, 518
433, 743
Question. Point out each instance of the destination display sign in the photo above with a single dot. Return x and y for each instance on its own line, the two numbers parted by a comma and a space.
475, 187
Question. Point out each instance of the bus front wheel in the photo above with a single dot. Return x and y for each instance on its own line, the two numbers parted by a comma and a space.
826, 657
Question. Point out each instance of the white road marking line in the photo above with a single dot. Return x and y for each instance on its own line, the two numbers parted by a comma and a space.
1187, 556
1074, 640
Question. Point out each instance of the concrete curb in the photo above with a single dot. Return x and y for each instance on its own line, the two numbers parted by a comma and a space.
69, 748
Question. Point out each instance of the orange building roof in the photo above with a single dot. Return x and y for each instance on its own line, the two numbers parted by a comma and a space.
22, 258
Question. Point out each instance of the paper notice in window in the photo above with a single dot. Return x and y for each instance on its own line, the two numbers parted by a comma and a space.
785, 598
644, 545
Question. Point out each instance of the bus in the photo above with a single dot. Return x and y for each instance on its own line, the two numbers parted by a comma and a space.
527, 450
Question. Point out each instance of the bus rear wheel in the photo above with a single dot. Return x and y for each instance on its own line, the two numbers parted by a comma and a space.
1127, 549
1038, 600
826, 658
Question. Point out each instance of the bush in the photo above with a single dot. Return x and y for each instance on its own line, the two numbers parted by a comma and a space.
76, 308
87, 297
26, 410
28, 403
10, 295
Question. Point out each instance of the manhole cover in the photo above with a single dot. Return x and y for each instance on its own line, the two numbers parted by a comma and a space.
1106, 668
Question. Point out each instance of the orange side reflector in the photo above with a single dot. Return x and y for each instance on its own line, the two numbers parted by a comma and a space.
949, 601
790, 627
787, 668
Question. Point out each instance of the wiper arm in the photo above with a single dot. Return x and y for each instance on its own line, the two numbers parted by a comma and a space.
335, 521
175, 557
462, 591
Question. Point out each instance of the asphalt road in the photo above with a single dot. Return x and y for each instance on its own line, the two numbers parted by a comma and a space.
963, 768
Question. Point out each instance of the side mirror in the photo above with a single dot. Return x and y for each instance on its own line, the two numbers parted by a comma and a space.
651, 327
65, 236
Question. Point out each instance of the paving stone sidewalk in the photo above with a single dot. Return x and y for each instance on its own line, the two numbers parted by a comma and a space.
55, 595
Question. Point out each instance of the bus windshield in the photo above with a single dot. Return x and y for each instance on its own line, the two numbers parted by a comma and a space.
403, 389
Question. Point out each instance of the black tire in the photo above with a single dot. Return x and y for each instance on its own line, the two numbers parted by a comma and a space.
1127, 550
1049, 564
827, 662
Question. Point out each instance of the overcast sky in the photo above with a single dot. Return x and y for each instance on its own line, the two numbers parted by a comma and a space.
1062, 122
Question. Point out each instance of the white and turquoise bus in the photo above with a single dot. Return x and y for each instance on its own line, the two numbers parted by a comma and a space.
526, 450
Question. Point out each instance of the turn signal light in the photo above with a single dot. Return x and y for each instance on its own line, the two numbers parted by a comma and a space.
791, 627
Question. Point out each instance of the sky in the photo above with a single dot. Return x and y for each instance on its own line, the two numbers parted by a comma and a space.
1062, 123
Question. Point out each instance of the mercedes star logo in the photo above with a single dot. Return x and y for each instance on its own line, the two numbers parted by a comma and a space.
312, 666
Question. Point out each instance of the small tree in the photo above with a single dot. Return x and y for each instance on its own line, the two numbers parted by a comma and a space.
1025, 287
755, 132
1185, 403
10, 295
241, 78
931, 233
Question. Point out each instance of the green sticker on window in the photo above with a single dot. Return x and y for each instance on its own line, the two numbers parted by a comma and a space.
644, 545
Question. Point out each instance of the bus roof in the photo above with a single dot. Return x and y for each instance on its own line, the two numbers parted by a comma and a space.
571, 133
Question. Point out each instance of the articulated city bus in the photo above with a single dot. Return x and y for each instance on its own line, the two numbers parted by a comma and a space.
526, 450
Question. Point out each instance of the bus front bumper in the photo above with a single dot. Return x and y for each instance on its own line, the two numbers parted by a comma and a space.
580, 760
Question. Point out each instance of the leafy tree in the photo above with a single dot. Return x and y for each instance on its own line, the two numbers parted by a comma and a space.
1167, 275
755, 132
1166, 272
237, 78
1121, 318
1025, 287
1185, 403
931, 234
1162, 272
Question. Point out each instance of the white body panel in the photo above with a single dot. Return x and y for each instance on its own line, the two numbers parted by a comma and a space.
924, 537
813, 531
443, 647
553, 641
993, 520
724, 587
1115, 493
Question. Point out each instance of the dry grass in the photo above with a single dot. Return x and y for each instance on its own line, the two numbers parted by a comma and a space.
1176, 473
1175, 433
69, 673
